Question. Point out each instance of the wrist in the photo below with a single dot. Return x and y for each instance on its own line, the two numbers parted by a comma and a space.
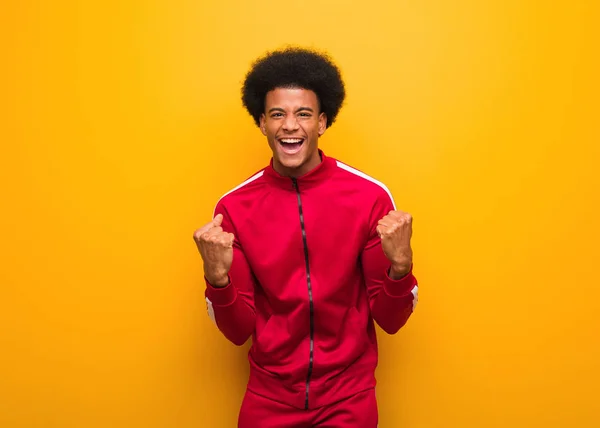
219, 280
399, 271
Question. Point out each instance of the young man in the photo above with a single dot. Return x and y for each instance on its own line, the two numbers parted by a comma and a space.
304, 257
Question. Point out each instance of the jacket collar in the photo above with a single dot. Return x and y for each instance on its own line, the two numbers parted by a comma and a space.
315, 176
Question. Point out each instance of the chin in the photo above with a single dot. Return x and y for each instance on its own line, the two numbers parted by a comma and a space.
292, 163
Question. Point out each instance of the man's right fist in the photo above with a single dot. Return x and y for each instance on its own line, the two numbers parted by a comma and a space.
216, 248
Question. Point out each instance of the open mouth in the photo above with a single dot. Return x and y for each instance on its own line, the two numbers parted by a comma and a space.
291, 145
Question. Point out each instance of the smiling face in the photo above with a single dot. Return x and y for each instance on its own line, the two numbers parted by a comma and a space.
293, 123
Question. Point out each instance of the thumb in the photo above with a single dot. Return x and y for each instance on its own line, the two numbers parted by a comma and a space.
218, 220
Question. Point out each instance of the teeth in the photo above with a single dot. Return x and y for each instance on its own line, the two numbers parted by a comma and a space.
291, 140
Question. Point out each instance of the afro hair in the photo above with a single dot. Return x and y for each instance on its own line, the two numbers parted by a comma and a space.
294, 67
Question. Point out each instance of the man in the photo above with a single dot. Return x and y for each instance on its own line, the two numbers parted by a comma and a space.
304, 257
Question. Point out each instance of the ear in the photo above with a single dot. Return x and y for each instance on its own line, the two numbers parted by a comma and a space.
263, 124
322, 123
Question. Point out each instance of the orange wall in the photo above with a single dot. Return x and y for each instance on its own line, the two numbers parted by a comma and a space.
123, 126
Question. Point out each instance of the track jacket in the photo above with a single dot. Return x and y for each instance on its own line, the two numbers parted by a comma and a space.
308, 280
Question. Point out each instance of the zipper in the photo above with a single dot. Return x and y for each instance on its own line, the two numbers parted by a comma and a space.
310, 298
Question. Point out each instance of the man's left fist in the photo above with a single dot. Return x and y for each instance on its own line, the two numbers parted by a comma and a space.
395, 231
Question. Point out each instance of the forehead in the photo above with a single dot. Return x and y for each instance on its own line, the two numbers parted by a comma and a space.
291, 98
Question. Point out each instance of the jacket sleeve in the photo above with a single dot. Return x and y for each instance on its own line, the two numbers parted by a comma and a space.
392, 301
232, 307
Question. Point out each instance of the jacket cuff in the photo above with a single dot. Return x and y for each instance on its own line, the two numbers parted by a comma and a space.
220, 296
399, 287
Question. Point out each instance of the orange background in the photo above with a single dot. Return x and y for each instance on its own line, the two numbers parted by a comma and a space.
122, 126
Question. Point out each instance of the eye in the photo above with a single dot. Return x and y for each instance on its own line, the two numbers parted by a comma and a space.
304, 114
277, 115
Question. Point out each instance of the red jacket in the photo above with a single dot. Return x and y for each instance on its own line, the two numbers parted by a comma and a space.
308, 280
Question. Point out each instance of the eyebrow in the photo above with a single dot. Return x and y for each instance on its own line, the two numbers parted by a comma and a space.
299, 109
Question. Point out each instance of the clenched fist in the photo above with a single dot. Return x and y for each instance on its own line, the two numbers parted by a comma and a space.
395, 231
216, 248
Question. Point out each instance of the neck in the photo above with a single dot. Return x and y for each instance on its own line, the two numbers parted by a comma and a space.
300, 170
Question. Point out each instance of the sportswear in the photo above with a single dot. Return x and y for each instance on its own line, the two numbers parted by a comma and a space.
308, 281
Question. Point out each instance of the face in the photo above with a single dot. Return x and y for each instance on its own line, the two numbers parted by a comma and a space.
293, 124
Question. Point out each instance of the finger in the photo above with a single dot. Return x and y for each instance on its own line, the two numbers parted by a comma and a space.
401, 215
218, 220
215, 234
198, 233
215, 222
215, 231
222, 239
229, 239
385, 222
383, 231
204, 235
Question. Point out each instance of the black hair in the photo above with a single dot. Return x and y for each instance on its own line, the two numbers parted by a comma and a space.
294, 67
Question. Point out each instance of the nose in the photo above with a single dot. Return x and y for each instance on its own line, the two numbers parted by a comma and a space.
290, 123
